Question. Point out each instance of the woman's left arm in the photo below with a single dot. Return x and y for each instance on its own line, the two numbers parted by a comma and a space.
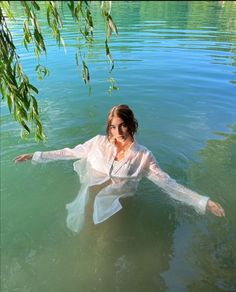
177, 191
215, 208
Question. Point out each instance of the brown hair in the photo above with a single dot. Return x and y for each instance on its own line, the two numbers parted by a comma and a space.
125, 113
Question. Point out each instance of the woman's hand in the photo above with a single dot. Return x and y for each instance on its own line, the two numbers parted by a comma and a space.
23, 157
215, 208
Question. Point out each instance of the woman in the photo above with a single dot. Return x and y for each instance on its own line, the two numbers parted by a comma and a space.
113, 165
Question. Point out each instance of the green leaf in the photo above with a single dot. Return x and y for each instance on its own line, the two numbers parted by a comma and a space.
3, 91
112, 25
108, 31
108, 52
48, 15
33, 88
76, 58
25, 126
85, 72
9, 102
35, 105
35, 5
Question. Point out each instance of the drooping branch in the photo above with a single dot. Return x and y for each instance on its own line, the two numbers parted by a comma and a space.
15, 86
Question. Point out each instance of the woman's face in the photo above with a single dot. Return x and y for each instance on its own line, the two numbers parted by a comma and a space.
119, 129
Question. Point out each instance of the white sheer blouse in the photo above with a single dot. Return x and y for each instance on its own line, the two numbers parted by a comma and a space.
95, 166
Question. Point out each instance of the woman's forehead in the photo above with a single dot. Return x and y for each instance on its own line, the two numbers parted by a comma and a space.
116, 121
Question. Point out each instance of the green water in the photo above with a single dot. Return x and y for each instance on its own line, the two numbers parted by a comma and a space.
175, 67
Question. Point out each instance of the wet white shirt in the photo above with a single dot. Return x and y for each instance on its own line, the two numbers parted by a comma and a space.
96, 165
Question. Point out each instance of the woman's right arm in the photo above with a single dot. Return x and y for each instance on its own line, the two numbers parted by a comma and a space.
46, 156
23, 157
80, 151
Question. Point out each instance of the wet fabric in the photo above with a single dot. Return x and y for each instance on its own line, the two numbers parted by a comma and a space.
96, 165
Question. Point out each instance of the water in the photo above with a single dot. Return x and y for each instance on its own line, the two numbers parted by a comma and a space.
175, 67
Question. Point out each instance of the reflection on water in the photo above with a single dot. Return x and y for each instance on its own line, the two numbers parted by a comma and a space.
218, 245
175, 67
211, 249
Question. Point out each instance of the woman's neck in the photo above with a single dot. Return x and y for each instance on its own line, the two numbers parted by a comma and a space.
122, 148
122, 144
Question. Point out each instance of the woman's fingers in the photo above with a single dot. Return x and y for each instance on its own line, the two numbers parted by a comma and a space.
216, 209
22, 157
219, 210
19, 158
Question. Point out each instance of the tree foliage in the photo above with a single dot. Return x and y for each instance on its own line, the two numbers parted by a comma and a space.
15, 86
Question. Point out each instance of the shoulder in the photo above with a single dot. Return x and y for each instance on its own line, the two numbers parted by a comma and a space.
98, 140
142, 150
101, 139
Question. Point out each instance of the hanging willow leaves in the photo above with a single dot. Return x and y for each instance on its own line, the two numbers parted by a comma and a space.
15, 86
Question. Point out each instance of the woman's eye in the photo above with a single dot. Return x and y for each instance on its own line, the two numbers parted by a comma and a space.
124, 126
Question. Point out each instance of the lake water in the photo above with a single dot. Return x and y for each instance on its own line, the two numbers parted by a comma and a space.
175, 67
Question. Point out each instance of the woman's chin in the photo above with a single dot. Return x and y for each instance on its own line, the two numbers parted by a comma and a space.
121, 138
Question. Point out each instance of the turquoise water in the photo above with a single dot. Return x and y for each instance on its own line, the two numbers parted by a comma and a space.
175, 67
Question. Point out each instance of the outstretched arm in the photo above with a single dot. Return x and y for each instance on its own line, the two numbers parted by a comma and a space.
80, 151
46, 156
179, 192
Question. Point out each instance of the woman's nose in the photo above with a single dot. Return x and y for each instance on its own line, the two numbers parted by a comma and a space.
119, 130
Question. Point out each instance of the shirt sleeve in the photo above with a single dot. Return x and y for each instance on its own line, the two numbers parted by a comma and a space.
79, 151
172, 188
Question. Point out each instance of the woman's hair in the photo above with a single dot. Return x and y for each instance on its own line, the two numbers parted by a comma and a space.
123, 112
